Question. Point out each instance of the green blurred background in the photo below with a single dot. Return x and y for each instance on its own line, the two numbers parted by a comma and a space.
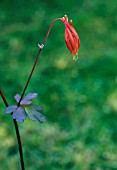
80, 98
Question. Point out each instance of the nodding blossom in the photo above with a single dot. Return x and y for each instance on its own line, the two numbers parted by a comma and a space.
71, 37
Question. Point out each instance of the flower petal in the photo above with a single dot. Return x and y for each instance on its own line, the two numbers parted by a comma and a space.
72, 39
69, 40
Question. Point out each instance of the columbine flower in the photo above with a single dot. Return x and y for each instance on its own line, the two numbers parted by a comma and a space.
26, 109
71, 37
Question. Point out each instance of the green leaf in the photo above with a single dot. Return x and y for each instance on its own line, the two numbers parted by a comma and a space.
34, 115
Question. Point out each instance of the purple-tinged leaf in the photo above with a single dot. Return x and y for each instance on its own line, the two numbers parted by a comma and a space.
37, 107
19, 114
41, 118
23, 102
34, 115
9, 109
17, 97
30, 114
30, 96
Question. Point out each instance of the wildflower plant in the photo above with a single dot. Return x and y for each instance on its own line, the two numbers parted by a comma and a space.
24, 107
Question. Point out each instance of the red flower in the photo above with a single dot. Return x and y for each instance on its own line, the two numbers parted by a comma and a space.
71, 37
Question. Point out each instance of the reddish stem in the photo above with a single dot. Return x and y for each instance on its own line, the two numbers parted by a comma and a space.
34, 65
30, 76
17, 132
49, 30
5, 101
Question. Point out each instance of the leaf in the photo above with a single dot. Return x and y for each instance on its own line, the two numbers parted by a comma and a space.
41, 118
37, 107
30, 96
9, 109
25, 100
34, 115
17, 97
19, 114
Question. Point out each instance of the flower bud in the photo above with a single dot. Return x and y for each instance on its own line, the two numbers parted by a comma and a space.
71, 37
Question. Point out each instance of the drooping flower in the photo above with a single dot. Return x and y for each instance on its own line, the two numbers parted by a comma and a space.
71, 37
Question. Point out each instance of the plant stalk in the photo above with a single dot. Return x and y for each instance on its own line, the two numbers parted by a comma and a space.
38, 54
24, 90
17, 132
33, 68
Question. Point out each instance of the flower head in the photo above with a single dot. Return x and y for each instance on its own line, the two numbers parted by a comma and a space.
71, 37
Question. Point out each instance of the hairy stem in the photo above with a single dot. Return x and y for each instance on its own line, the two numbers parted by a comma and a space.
17, 132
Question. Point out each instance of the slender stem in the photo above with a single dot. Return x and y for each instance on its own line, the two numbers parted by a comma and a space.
30, 76
33, 68
17, 132
6, 103
3, 97
48, 32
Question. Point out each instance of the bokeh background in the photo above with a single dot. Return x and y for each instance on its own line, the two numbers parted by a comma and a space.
80, 98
